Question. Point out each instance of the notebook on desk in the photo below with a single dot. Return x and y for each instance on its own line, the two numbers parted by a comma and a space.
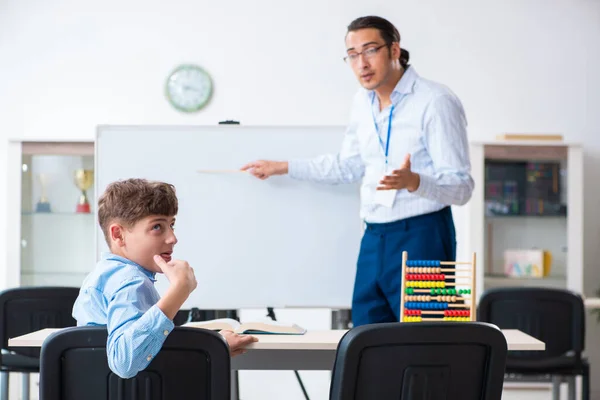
270, 327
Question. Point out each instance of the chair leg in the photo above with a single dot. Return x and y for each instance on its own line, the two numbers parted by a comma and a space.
3, 385
572, 386
235, 388
25, 386
556, 380
585, 383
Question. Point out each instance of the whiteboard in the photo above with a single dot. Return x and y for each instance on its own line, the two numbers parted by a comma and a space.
252, 243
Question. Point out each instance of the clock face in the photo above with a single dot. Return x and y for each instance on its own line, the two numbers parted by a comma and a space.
188, 88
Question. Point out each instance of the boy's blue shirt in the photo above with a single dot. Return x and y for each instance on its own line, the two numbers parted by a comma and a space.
120, 295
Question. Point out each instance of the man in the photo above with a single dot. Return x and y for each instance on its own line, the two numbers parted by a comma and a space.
407, 141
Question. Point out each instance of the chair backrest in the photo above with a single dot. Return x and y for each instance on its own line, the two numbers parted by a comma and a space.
28, 309
192, 364
420, 361
554, 316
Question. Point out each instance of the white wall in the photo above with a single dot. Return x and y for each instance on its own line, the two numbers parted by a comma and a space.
517, 65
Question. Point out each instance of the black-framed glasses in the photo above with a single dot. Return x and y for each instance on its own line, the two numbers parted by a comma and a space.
368, 53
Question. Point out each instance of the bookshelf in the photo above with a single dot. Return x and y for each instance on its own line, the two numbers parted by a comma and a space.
51, 242
526, 214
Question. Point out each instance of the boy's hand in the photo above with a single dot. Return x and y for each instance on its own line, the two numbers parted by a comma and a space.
179, 273
237, 342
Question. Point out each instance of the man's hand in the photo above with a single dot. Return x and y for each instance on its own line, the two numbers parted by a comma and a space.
402, 178
264, 169
179, 273
237, 342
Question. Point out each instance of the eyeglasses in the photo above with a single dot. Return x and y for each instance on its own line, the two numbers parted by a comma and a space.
368, 53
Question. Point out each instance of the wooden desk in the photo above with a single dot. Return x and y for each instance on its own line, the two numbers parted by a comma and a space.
314, 350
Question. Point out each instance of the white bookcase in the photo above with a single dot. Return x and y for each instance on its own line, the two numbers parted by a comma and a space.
511, 209
53, 245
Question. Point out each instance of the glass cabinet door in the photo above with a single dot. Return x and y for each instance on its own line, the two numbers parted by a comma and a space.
526, 216
57, 213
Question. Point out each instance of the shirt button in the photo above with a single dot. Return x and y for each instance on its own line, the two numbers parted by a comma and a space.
149, 358
166, 332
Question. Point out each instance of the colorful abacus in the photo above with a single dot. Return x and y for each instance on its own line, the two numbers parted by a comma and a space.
437, 290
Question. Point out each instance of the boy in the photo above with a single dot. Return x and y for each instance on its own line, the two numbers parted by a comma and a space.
137, 218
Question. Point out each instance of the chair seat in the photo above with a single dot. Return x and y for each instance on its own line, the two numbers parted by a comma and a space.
19, 363
557, 365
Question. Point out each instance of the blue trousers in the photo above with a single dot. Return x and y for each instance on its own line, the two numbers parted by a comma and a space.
377, 284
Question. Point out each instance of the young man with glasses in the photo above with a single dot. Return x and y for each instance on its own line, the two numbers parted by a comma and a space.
407, 141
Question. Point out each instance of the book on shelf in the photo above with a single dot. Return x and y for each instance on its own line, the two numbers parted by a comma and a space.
267, 327
524, 263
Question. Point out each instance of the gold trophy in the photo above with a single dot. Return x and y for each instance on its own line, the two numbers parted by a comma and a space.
84, 178
43, 205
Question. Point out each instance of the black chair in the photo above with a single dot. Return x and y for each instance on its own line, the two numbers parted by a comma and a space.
24, 310
554, 316
192, 364
420, 361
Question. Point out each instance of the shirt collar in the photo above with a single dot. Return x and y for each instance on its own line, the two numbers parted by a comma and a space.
407, 82
114, 257
404, 86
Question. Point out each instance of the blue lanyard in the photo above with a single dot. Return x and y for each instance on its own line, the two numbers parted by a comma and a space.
387, 143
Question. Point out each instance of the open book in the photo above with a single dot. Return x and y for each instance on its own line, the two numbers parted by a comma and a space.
270, 327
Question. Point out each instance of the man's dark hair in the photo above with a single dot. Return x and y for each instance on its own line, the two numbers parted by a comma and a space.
386, 29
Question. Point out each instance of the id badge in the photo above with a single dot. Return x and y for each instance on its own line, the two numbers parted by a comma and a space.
385, 198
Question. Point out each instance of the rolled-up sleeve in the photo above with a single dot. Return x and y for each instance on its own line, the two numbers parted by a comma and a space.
445, 134
134, 336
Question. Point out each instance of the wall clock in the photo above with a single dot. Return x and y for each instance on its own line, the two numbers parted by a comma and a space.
188, 88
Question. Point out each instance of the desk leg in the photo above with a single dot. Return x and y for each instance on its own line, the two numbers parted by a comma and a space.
235, 386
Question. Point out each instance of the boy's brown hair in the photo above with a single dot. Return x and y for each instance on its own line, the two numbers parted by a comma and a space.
128, 201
